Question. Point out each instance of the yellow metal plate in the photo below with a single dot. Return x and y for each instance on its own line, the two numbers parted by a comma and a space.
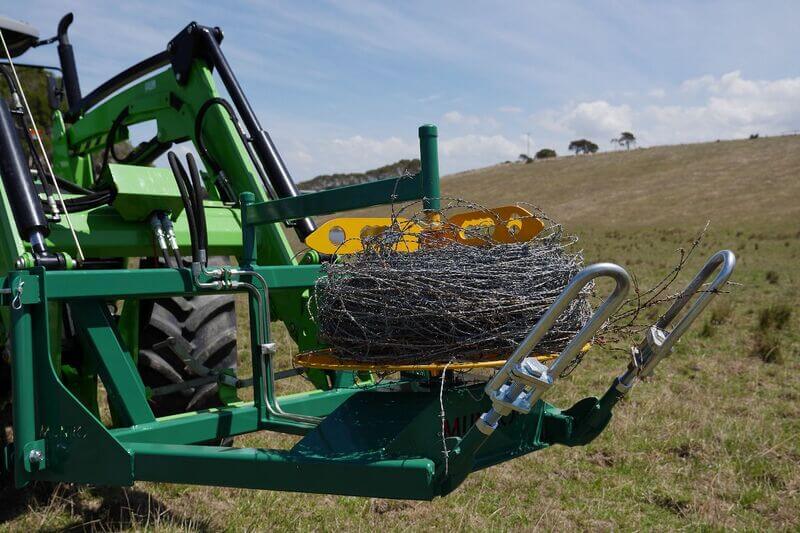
326, 360
346, 235
502, 224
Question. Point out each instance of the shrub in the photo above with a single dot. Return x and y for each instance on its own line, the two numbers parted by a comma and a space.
721, 313
767, 346
774, 317
767, 338
582, 146
772, 277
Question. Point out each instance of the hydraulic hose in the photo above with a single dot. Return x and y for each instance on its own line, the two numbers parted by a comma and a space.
198, 128
112, 133
183, 186
200, 214
160, 238
84, 203
73, 188
215, 166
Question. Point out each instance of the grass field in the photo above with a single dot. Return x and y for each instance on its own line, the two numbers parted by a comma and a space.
712, 442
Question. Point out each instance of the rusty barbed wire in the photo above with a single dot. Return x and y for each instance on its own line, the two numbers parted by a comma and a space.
447, 301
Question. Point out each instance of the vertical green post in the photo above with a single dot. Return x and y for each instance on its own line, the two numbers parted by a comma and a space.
429, 160
248, 231
262, 365
22, 385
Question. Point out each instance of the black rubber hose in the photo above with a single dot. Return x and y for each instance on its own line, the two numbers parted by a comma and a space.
168, 259
112, 133
198, 128
73, 188
183, 181
200, 214
225, 193
37, 162
84, 203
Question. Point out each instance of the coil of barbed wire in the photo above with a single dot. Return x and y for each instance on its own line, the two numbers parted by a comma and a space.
447, 301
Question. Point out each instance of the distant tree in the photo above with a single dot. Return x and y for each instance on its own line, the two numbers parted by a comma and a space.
753, 136
625, 138
34, 83
524, 158
582, 146
545, 153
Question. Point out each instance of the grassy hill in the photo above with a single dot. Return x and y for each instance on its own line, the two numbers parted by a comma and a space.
729, 181
711, 442
329, 181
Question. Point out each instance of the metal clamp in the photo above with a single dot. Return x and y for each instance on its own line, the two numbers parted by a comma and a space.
522, 381
16, 302
658, 342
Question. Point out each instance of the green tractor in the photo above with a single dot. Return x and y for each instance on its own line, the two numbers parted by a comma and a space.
117, 272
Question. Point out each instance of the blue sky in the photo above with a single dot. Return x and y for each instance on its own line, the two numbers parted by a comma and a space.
342, 86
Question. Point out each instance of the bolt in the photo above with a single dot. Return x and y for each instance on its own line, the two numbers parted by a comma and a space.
19, 263
169, 47
35, 457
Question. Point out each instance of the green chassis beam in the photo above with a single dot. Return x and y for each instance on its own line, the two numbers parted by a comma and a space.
147, 283
400, 457
102, 232
402, 189
281, 470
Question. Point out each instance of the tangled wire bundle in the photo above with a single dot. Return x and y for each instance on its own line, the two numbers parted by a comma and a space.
447, 301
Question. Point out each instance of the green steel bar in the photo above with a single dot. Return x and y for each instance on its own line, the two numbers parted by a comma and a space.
429, 161
126, 392
261, 363
200, 426
104, 233
151, 283
281, 470
23, 386
153, 99
11, 245
189, 428
249, 246
386, 191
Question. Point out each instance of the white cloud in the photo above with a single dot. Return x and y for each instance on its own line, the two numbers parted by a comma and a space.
429, 98
470, 151
588, 119
702, 109
732, 106
697, 84
359, 153
456, 117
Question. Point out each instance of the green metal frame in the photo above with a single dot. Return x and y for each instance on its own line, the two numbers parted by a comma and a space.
380, 440
376, 439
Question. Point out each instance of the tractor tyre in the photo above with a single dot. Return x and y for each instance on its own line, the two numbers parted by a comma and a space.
205, 326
